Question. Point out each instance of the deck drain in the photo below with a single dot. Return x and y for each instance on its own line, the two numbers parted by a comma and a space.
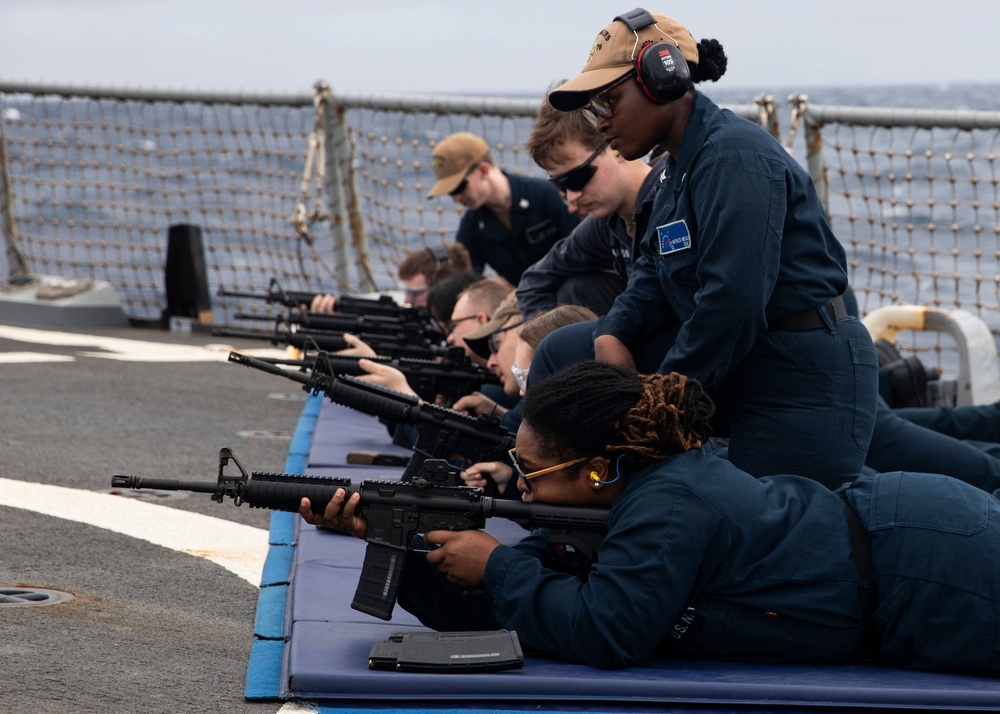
289, 396
147, 494
32, 596
267, 434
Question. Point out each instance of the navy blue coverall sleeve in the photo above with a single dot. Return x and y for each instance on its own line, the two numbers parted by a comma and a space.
586, 249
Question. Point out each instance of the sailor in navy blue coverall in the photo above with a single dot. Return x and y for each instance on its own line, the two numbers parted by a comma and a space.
510, 221
702, 560
538, 218
597, 244
740, 276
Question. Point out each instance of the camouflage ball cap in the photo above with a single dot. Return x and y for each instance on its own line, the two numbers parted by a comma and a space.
452, 159
611, 56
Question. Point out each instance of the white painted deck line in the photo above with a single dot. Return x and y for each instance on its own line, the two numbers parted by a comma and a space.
25, 357
238, 548
130, 350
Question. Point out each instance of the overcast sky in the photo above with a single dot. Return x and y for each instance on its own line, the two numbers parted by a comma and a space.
473, 47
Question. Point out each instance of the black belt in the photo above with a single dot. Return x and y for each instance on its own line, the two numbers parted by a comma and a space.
871, 638
812, 319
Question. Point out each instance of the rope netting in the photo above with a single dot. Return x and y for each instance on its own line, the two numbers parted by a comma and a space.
328, 193
95, 184
95, 178
394, 174
918, 210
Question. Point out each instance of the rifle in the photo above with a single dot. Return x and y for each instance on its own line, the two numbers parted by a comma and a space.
395, 512
429, 378
385, 344
346, 304
441, 432
355, 324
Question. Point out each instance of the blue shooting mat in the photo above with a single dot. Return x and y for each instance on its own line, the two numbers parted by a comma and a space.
340, 430
309, 643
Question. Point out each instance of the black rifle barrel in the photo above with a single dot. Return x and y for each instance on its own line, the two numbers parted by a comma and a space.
348, 391
162, 484
380, 401
345, 304
277, 492
288, 298
386, 345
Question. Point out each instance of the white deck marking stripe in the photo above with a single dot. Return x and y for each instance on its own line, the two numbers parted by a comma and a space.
20, 357
131, 350
238, 548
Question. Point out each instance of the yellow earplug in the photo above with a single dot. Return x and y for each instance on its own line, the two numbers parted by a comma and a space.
594, 477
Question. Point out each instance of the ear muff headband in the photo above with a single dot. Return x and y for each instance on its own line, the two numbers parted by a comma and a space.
440, 254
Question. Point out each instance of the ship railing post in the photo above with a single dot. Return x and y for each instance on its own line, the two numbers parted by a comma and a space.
17, 263
815, 161
767, 114
346, 220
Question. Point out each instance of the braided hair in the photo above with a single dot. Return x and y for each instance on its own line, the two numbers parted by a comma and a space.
600, 409
712, 62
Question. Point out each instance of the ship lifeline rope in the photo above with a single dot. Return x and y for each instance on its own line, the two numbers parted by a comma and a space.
314, 209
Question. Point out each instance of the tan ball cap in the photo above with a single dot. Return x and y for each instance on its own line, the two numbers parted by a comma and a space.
453, 158
612, 54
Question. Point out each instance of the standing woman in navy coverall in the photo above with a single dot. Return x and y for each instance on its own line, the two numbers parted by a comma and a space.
740, 278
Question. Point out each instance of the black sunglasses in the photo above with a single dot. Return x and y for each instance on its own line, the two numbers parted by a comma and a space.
578, 176
465, 182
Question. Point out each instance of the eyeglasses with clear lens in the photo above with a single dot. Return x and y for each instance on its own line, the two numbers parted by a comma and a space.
451, 324
526, 477
493, 343
494, 340
411, 294
600, 108
576, 178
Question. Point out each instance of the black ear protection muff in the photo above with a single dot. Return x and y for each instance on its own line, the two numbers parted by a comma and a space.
660, 67
441, 258
440, 254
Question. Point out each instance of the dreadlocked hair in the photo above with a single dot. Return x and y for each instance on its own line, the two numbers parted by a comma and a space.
671, 416
596, 408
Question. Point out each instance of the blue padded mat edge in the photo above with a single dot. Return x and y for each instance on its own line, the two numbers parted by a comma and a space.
264, 668
269, 623
277, 565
